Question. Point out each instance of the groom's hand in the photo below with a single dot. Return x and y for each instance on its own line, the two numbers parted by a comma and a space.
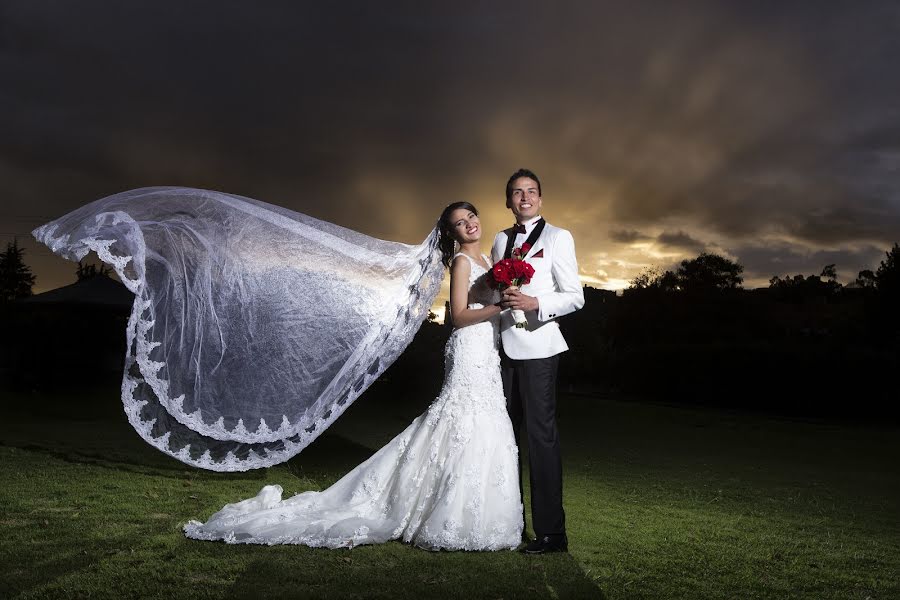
514, 298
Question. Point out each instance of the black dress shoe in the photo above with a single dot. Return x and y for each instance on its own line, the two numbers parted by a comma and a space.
547, 543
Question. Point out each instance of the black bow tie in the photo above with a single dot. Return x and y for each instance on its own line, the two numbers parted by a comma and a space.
518, 228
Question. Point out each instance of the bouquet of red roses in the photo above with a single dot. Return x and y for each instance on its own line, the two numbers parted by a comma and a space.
516, 272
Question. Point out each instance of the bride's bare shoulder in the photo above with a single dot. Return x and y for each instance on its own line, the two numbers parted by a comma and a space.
460, 264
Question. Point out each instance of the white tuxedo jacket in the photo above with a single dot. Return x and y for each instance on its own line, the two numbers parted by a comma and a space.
556, 286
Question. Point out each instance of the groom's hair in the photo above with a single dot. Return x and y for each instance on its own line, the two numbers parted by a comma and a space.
520, 173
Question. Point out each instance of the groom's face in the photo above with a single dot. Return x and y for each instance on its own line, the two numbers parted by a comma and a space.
525, 199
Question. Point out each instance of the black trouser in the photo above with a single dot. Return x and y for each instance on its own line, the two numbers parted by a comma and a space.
530, 389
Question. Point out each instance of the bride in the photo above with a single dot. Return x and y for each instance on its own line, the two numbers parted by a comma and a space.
254, 327
449, 481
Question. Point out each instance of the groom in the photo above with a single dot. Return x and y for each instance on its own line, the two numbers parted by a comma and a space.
530, 355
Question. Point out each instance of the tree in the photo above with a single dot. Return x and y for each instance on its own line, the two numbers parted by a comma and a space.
16, 278
655, 279
86, 270
709, 272
830, 285
887, 278
800, 287
866, 279
887, 286
644, 279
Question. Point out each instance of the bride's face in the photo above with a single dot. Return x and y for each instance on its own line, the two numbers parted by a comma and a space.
465, 225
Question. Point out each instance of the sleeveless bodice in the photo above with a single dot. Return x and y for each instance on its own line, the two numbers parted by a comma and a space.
471, 354
480, 291
478, 343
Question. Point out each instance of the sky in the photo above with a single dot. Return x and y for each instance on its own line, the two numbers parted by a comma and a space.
768, 132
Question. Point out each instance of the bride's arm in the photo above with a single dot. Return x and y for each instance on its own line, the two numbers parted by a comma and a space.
460, 312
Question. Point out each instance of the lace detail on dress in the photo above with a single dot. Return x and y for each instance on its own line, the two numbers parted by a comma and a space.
481, 293
448, 481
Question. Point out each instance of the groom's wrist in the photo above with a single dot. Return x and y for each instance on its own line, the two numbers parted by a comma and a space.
548, 313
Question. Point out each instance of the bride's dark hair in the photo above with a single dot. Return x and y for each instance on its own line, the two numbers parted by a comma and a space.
447, 243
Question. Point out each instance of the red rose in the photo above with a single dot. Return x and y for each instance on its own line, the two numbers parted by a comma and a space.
502, 273
519, 253
512, 271
523, 272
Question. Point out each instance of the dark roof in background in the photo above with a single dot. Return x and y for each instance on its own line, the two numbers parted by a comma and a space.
95, 291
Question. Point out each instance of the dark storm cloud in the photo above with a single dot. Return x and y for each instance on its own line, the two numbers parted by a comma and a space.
630, 236
283, 103
771, 126
763, 262
679, 240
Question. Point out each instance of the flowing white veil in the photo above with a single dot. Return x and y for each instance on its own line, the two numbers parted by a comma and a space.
253, 326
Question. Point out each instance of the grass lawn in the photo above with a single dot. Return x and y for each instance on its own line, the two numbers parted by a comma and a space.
661, 502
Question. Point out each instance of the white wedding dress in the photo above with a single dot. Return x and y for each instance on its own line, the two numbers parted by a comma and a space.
449, 481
